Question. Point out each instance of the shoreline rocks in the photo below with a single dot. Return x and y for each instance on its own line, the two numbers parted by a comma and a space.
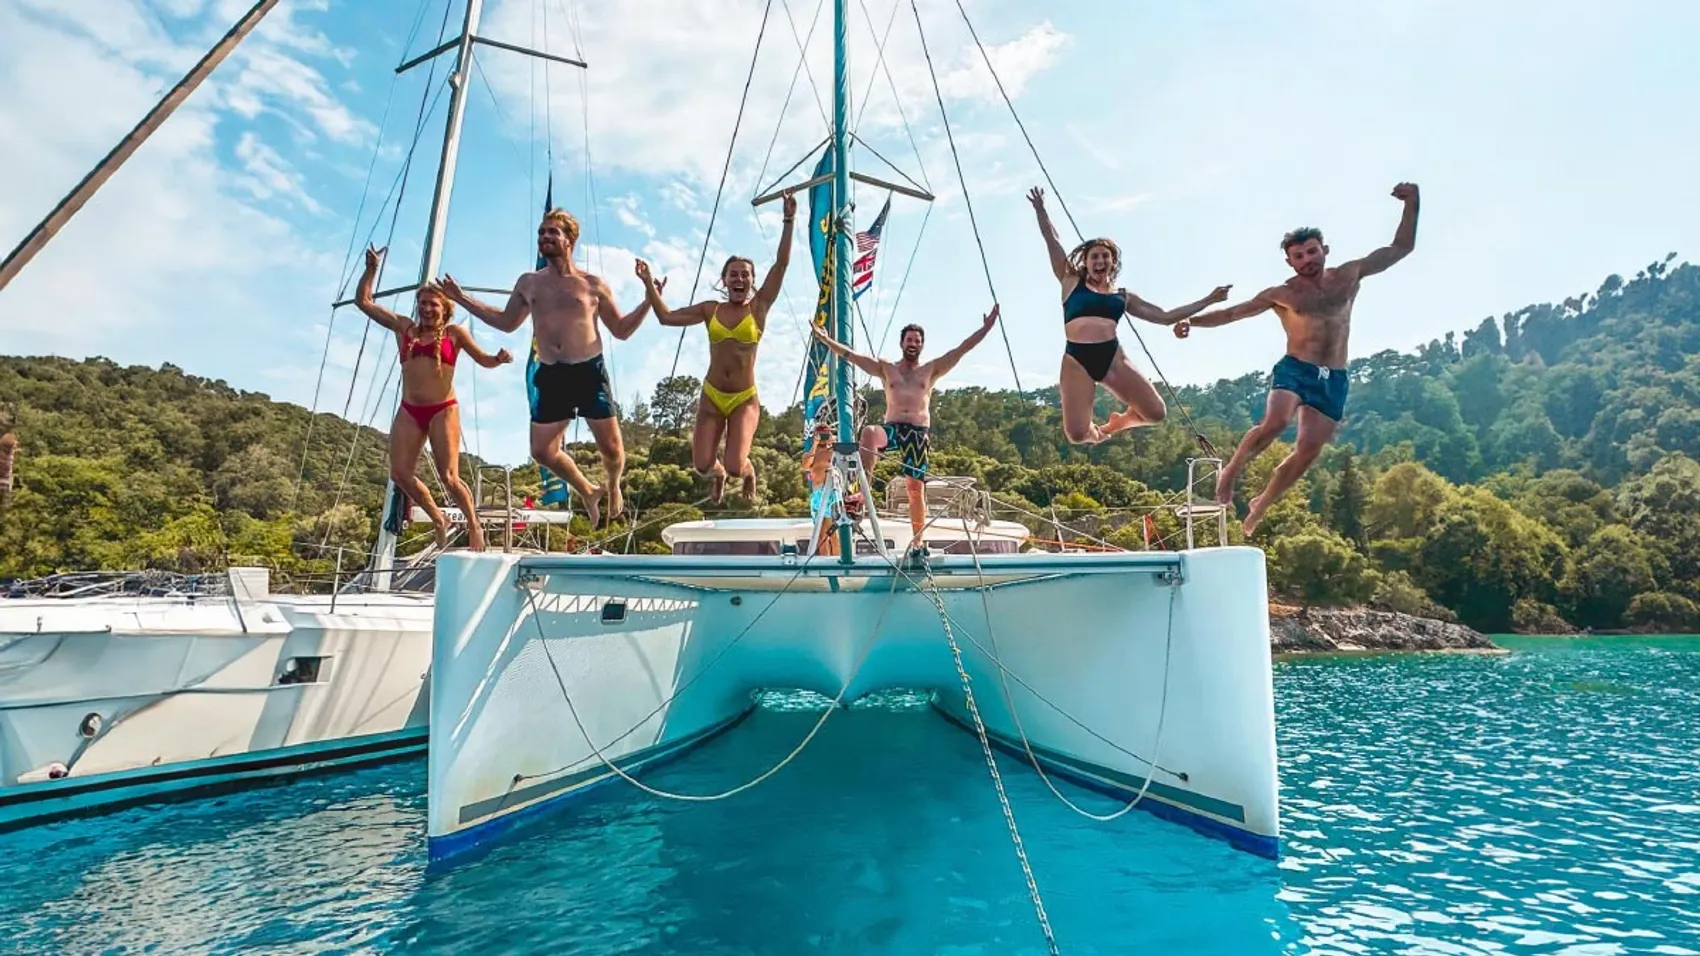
1304, 630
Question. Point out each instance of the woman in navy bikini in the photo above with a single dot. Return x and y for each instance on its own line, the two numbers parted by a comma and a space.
1092, 307
429, 349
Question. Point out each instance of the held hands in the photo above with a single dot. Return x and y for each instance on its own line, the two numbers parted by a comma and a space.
1219, 294
1183, 328
503, 357
1405, 192
648, 278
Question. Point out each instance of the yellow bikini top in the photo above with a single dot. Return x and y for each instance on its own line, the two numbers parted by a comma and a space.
746, 331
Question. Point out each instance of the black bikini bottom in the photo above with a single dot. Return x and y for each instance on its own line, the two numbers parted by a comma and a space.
1095, 357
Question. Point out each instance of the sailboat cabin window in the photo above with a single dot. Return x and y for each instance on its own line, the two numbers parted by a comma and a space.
964, 546
727, 547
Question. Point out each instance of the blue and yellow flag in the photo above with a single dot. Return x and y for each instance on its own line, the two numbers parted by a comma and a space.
817, 374
555, 491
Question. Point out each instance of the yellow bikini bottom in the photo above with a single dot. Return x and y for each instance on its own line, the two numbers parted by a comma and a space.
727, 403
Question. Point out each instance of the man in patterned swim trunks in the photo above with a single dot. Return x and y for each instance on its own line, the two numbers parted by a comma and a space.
1315, 308
908, 406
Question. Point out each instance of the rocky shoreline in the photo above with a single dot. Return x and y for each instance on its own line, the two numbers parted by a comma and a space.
1303, 630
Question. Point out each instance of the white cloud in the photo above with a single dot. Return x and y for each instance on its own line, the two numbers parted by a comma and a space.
1016, 62
186, 241
269, 174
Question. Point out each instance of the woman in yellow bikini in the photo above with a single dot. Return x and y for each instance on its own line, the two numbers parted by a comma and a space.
735, 328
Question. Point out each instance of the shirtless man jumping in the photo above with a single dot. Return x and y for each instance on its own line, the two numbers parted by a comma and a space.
908, 406
571, 378
1315, 308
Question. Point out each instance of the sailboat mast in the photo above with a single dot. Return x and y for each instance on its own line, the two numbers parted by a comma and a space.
841, 252
46, 229
459, 79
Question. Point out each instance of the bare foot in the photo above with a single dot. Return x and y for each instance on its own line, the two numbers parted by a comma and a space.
442, 525
749, 488
1254, 516
616, 504
1121, 421
475, 537
717, 486
1225, 487
593, 507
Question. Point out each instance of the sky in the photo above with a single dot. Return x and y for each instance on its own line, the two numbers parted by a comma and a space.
1552, 141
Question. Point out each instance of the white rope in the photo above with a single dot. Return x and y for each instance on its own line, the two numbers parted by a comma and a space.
1009, 699
992, 767
708, 798
998, 661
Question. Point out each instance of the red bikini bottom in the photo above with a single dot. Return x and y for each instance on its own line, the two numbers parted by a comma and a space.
422, 414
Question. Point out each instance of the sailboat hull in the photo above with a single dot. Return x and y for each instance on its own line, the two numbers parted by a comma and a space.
110, 702
549, 673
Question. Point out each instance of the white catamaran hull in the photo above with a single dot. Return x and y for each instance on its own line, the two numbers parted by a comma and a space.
1158, 655
106, 702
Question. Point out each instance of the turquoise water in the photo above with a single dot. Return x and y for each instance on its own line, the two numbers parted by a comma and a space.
1544, 802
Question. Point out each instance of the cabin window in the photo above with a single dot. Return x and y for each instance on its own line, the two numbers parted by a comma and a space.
301, 670
614, 611
727, 547
864, 546
965, 546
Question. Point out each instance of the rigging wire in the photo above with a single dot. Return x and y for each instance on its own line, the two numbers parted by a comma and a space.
725, 169
973, 222
802, 50
1197, 434
348, 254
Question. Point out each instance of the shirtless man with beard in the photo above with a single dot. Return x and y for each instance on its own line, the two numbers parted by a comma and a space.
1315, 308
908, 406
571, 378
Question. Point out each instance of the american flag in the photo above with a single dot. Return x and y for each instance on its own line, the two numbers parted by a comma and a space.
867, 247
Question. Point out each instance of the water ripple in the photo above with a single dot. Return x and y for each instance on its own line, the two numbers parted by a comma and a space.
1545, 802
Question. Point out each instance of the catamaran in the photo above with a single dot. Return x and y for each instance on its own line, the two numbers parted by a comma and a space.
1142, 675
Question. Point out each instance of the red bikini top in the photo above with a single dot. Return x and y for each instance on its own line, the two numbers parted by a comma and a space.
444, 346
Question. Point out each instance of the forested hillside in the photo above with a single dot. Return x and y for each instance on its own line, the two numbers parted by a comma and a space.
1540, 468
136, 467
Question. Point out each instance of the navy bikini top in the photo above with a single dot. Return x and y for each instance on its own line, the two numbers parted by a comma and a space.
1101, 305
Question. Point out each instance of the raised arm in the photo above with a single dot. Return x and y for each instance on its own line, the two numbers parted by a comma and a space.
363, 294
948, 360
769, 291
1059, 256
689, 315
872, 366
619, 326
1141, 309
464, 341
1404, 239
505, 319
1262, 302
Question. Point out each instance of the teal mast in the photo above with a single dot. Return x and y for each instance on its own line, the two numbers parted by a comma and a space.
841, 254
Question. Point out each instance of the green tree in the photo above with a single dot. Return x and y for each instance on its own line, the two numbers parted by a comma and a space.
1347, 502
1482, 556
673, 406
1605, 575
1320, 567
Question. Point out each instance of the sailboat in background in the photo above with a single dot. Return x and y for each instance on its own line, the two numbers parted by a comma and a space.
123, 688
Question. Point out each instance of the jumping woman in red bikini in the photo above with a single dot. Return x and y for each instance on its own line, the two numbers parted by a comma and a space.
429, 349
